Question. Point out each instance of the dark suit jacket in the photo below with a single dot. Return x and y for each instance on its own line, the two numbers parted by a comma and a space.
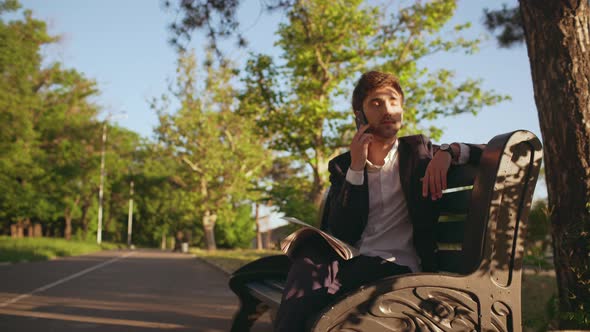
347, 207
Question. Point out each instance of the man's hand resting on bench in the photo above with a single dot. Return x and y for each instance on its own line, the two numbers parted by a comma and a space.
435, 177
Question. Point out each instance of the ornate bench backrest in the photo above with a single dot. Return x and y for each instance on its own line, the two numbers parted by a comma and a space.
485, 225
500, 205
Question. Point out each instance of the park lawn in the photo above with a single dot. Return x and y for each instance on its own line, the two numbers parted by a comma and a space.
537, 288
231, 260
539, 291
39, 249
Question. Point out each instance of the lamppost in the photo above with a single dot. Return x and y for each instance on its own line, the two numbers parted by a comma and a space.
130, 218
103, 175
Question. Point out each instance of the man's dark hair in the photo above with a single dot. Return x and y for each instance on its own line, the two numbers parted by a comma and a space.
370, 81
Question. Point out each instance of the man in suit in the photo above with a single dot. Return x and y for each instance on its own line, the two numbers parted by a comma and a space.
382, 200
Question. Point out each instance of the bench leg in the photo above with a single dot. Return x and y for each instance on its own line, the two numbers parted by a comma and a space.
247, 315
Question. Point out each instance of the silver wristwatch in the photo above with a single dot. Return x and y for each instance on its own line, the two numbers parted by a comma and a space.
447, 148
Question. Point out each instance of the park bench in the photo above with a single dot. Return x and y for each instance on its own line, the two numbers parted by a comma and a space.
480, 236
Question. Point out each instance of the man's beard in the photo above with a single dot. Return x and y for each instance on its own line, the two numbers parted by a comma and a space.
387, 132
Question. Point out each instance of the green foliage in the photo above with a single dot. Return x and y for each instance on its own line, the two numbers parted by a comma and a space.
536, 244
538, 237
161, 206
539, 223
217, 148
291, 197
20, 80
237, 230
579, 235
217, 152
50, 138
325, 46
36, 249
9, 6
538, 299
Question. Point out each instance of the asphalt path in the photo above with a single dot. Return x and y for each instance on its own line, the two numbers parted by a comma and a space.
117, 291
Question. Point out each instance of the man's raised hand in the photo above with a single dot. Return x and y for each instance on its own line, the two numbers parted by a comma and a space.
359, 148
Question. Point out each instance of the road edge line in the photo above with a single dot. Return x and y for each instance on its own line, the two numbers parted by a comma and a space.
63, 280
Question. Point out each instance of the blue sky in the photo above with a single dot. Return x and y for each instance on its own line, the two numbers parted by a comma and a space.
123, 46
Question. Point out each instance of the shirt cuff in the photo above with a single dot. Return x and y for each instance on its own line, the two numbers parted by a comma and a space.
355, 177
463, 154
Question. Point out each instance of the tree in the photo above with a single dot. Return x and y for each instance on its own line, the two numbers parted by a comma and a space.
558, 44
20, 80
45, 122
220, 154
65, 127
164, 207
49, 134
325, 45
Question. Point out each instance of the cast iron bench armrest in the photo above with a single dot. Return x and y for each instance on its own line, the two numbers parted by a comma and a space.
428, 302
269, 291
266, 291
258, 286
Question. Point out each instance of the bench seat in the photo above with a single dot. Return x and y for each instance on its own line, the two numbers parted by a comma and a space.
480, 236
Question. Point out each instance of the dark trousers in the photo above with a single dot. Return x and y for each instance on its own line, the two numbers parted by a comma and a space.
318, 275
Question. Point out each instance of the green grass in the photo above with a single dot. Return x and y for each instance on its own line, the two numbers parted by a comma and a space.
231, 260
537, 288
39, 249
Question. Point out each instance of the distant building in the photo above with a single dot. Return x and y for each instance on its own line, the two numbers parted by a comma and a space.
271, 238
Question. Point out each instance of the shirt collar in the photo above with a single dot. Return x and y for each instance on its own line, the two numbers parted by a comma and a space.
388, 159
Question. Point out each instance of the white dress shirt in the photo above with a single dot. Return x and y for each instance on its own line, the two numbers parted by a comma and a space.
389, 230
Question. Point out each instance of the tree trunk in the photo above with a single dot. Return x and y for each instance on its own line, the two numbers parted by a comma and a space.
29, 227
317, 191
269, 244
68, 218
106, 217
209, 227
258, 234
68, 226
321, 164
37, 230
83, 218
18, 230
558, 43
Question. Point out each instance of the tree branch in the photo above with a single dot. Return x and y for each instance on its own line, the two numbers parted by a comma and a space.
192, 165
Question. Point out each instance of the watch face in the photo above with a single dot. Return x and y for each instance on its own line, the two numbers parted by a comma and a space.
447, 148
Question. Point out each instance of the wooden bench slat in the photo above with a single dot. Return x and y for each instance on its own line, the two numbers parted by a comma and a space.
451, 217
266, 293
450, 231
457, 202
449, 260
449, 246
279, 284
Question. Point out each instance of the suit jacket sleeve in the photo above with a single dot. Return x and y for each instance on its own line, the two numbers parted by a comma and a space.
344, 212
475, 151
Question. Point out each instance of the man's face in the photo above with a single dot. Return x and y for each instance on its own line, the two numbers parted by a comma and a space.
384, 112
